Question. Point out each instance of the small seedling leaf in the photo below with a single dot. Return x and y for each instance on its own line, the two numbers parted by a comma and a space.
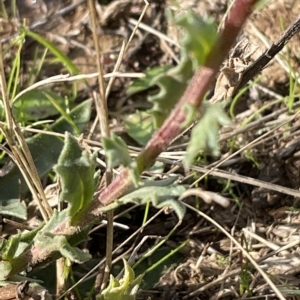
123, 289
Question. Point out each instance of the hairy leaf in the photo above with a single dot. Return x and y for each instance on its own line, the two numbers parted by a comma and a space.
144, 83
76, 168
12, 207
46, 241
171, 84
199, 37
160, 193
45, 150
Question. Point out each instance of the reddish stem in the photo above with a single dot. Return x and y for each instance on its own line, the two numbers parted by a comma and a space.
193, 95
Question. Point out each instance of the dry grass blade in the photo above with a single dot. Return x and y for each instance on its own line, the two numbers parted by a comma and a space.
21, 152
245, 253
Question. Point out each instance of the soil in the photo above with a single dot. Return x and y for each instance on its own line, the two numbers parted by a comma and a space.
264, 211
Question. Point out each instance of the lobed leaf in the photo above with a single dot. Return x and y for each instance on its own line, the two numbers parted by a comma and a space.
200, 35
204, 137
160, 193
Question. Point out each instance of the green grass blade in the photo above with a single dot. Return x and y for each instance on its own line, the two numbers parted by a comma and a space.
59, 55
61, 110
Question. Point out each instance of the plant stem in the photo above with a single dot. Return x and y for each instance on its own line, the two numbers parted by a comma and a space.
193, 95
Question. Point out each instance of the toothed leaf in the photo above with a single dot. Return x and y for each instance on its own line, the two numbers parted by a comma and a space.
204, 137
46, 241
199, 37
159, 193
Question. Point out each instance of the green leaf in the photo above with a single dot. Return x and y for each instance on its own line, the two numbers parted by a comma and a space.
160, 193
169, 261
144, 83
46, 242
61, 110
45, 150
76, 168
204, 137
58, 243
140, 127
34, 105
116, 151
72, 253
199, 37
125, 289
171, 85
12, 207
11, 247
5, 269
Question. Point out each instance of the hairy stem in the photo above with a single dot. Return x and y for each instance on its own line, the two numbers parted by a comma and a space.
193, 95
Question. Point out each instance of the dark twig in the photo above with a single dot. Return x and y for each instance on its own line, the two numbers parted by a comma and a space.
269, 54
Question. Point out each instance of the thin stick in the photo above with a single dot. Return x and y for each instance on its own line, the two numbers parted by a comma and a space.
102, 112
